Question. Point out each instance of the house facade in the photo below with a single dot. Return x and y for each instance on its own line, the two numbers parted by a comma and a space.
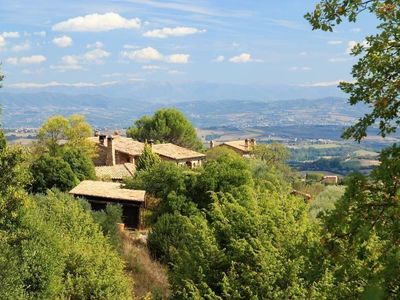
101, 193
116, 150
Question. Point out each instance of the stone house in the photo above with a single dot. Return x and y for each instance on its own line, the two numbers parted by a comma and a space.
101, 193
242, 147
116, 150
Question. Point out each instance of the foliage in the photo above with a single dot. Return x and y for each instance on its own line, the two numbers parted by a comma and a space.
325, 201
361, 233
274, 154
73, 132
50, 247
167, 125
51, 172
376, 77
80, 163
108, 220
147, 159
216, 152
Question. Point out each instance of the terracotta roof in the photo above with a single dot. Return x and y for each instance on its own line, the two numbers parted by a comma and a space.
116, 172
176, 152
240, 145
124, 144
107, 190
135, 148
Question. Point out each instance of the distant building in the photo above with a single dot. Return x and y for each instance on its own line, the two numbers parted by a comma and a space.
101, 193
242, 147
330, 179
116, 150
306, 197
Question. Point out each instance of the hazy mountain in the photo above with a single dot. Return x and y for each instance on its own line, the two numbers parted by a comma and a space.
30, 109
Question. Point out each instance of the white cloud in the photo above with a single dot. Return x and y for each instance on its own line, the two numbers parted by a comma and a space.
26, 60
62, 41
97, 23
168, 32
335, 42
11, 34
96, 55
322, 84
96, 44
2, 42
219, 58
40, 33
33, 85
355, 30
175, 72
178, 58
145, 54
70, 60
21, 47
151, 54
350, 46
242, 58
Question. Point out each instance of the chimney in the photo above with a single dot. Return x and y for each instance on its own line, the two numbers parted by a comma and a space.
212, 144
253, 142
102, 138
246, 143
110, 159
150, 143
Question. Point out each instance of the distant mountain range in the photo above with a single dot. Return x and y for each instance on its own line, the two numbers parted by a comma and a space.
30, 109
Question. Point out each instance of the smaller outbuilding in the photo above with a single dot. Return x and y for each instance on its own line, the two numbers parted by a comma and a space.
101, 193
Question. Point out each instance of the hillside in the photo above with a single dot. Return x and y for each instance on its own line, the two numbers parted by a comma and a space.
31, 109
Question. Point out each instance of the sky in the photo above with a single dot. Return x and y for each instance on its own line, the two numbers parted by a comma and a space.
98, 43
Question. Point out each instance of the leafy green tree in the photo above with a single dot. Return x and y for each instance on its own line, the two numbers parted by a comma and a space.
325, 201
58, 132
376, 77
273, 154
51, 172
147, 159
167, 125
81, 164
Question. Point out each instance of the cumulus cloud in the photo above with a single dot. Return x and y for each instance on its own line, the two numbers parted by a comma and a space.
26, 60
335, 42
2, 42
62, 41
145, 54
242, 58
350, 46
219, 58
178, 58
96, 55
11, 34
151, 54
21, 47
174, 32
97, 23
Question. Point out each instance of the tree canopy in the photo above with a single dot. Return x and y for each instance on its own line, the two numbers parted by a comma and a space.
147, 159
167, 125
376, 74
58, 132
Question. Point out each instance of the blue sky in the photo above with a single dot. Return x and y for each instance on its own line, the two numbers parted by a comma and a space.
82, 43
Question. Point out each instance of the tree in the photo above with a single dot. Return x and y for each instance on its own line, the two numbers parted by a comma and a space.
71, 132
81, 164
147, 159
51, 172
274, 154
167, 125
376, 76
